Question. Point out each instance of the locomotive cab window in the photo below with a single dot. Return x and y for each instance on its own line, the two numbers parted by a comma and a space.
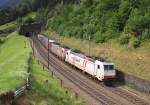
108, 67
98, 67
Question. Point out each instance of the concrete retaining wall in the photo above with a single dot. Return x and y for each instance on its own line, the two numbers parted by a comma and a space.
133, 81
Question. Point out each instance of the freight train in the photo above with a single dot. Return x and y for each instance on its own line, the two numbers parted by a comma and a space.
94, 66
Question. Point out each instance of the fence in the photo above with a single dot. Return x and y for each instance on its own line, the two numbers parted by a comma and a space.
10, 96
62, 84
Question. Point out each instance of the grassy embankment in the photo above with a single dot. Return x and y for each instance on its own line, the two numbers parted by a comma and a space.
14, 58
46, 93
126, 58
13, 62
8, 25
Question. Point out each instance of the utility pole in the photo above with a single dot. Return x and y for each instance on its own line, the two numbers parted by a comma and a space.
89, 44
33, 43
48, 53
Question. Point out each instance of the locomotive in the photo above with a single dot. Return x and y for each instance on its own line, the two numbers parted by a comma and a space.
94, 66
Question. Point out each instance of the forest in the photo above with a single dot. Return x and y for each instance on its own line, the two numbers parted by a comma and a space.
10, 13
100, 19
103, 20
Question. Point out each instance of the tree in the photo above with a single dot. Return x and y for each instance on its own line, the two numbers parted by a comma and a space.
29, 20
19, 22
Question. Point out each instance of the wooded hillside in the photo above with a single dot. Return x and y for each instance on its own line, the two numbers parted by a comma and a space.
100, 19
104, 20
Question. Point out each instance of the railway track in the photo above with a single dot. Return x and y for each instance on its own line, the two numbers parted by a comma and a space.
83, 85
129, 96
105, 95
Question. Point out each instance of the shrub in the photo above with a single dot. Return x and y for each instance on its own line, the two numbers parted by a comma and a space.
29, 20
124, 40
99, 37
2, 40
136, 43
146, 34
61, 28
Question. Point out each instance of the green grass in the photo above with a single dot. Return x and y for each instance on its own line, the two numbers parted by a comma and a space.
13, 62
32, 15
43, 93
8, 26
129, 60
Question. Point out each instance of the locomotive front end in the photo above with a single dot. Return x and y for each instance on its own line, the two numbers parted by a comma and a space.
109, 71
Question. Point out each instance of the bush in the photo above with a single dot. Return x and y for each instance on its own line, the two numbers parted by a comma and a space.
99, 37
136, 43
2, 40
29, 20
61, 28
146, 34
124, 40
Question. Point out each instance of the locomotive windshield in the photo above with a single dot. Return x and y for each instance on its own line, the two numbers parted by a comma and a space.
108, 67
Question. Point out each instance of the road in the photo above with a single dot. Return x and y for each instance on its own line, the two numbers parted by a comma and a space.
89, 90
